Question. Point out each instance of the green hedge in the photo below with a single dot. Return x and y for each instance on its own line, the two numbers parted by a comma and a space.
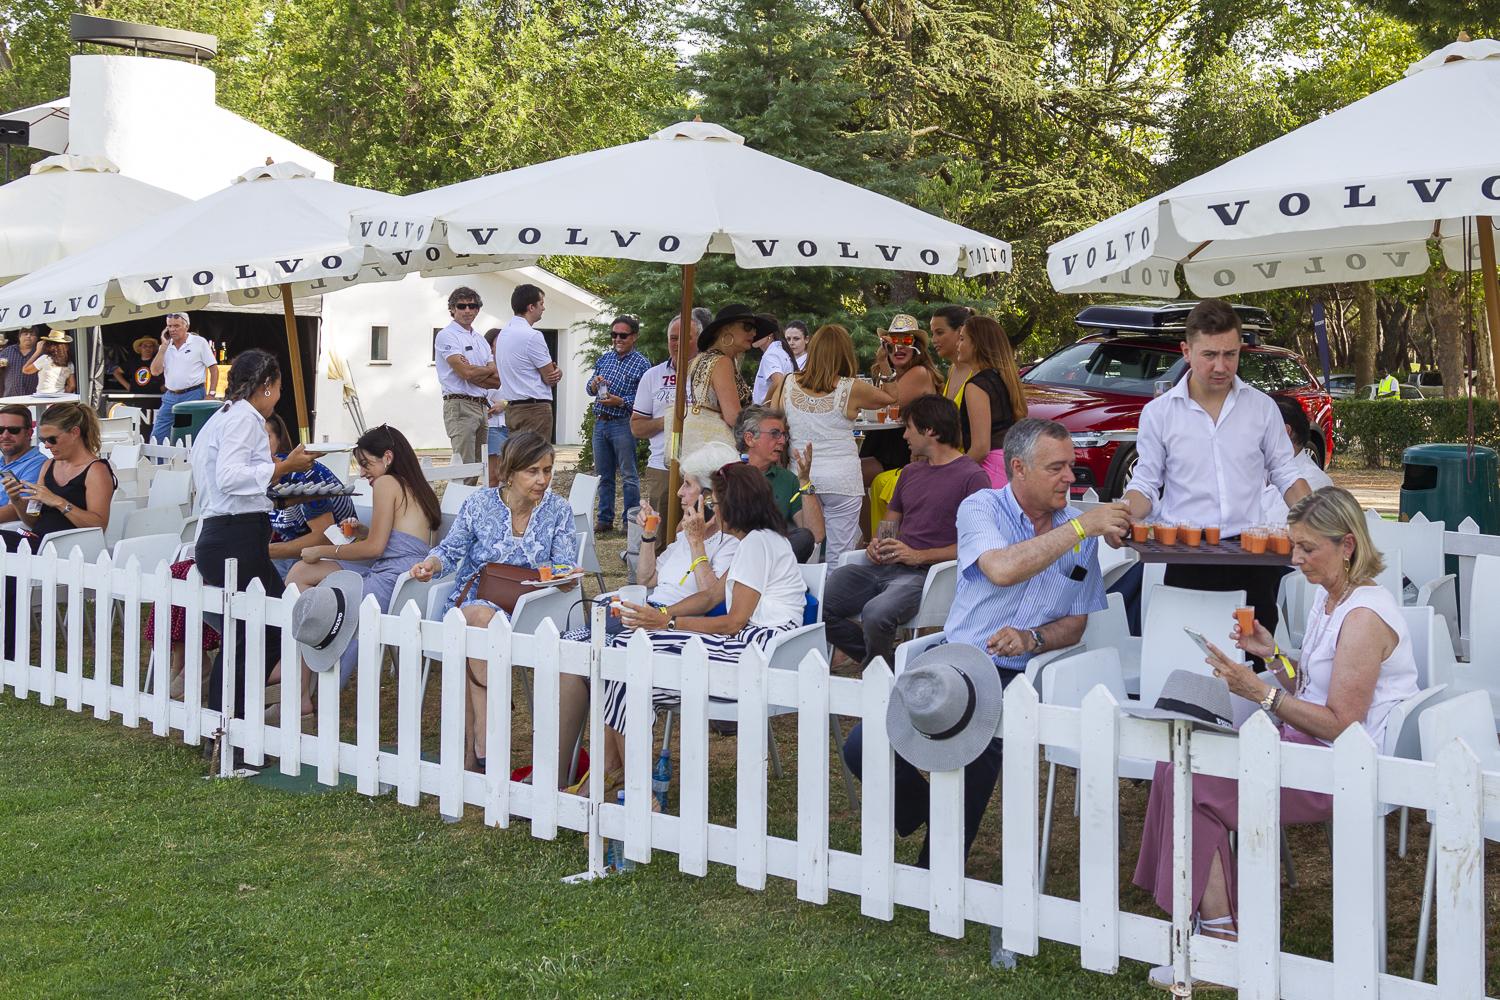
1378, 431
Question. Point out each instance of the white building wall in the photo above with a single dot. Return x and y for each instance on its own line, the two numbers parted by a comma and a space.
403, 392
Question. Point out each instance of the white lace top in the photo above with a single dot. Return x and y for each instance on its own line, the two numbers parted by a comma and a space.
821, 420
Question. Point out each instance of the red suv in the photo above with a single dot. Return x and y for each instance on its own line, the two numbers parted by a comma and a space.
1097, 386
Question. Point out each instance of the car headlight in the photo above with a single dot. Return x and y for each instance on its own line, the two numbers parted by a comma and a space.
1090, 440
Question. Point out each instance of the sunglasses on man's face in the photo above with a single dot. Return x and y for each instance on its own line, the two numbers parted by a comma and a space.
621, 336
467, 305
16, 429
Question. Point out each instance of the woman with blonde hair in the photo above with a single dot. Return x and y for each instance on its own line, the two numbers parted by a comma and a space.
991, 400
1356, 665
821, 403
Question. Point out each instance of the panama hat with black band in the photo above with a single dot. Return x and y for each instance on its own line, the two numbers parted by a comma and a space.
325, 618
1193, 697
737, 312
945, 708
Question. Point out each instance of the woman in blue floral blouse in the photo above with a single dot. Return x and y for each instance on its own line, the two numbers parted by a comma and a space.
522, 523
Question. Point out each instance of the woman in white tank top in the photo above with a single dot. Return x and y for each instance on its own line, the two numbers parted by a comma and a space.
821, 404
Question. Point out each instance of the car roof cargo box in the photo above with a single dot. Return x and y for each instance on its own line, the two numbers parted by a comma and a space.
1163, 318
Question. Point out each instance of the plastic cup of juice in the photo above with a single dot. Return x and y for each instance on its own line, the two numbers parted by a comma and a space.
653, 521
544, 572
1191, 534
1211, 534
880, 415
1245, 618
895, 411
1253, 540
1139, 530
1281, 542
1166, 534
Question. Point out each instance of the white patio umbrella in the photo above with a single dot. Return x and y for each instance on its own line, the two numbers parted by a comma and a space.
68, 204
690, 189
1353, 196
276, 230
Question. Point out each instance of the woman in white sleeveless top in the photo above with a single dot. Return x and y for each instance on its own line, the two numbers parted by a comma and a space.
1356, 664
821, 403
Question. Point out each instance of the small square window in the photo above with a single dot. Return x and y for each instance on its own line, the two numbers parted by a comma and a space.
380, 343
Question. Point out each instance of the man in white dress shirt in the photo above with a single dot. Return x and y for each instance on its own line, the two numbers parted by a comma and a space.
1206, 449
466, 373
186, 361
527, 371
654, 398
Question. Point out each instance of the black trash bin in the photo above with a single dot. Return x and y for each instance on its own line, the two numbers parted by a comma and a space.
1436, 481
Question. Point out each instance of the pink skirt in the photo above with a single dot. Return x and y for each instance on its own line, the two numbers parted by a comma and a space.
1216, 811
994, 464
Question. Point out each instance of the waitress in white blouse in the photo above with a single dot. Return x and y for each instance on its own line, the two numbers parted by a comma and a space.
232, 469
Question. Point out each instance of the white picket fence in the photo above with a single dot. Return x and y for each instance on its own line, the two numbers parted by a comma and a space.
1359, 779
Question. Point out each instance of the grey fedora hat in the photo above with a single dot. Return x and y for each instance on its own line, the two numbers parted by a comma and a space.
1187, 694
945, 707
325, 617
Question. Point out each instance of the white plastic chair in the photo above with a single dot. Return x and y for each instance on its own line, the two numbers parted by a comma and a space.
937, 591
1066, 682
1403, 738
1165, 647
1468, 717
1115, 563
454, 495
913, 648
1153, 575
1420, 543
1105, 629
171, 488
784, 652
89, 541
581, 496
150, 550
119, 429
814, 576
1482, 672
120, 509
153, 521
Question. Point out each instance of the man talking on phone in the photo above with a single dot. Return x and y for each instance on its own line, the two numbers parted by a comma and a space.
20, 461
187, 362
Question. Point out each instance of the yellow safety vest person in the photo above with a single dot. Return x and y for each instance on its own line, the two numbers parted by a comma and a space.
1388, 388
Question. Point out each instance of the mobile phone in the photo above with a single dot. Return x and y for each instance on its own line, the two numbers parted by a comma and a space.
708, 511
1197, 637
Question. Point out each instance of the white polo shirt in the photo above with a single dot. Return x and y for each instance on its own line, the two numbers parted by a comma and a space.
654, 398
468, 344
187, 366
520, 354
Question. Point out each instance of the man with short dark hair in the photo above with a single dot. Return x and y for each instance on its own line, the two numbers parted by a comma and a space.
527, 371
867, 602
18, 456
1206, 449
466, 374
617, 375
13, 358
761, 436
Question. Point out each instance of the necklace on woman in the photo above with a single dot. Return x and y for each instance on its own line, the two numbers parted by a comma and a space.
1315, 635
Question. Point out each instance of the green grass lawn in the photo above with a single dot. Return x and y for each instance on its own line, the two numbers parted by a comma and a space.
124, 873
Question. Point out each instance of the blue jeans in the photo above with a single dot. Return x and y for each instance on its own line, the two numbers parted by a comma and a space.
614, 450
161, 427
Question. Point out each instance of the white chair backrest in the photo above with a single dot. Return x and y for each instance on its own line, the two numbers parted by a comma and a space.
1152, 576
191, 529
1468, 717
1403, 737
1115, 563
548, 603
588, 556
149, 550
1419, 541
124, 456
1484, 630
913, 648
937, 596
122, 429
1107, 627
1419, 622
814, 576
89, 541
120, 509
441, 588
153, 521
582, 493
1390, 577
170, 488
1066, 681
454, 495
1165, 647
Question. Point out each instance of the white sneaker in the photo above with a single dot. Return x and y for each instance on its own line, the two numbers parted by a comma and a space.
1161, 977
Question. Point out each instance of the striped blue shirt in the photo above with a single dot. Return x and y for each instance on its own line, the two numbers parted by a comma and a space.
991, 519
622, 375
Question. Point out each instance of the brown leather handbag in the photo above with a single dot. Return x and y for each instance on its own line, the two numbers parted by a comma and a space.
500, 584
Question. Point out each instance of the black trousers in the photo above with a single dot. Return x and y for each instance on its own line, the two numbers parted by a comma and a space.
12, 541
245, 538
1260, 584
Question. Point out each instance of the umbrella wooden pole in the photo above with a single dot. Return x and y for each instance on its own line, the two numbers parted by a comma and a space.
294, 351
1491, 289
679, 403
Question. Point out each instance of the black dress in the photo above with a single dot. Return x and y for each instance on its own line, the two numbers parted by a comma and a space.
988, 381
74, 491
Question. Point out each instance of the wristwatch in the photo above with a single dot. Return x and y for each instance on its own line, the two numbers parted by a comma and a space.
1269, 701
67, 509
1036, 637
671, 623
